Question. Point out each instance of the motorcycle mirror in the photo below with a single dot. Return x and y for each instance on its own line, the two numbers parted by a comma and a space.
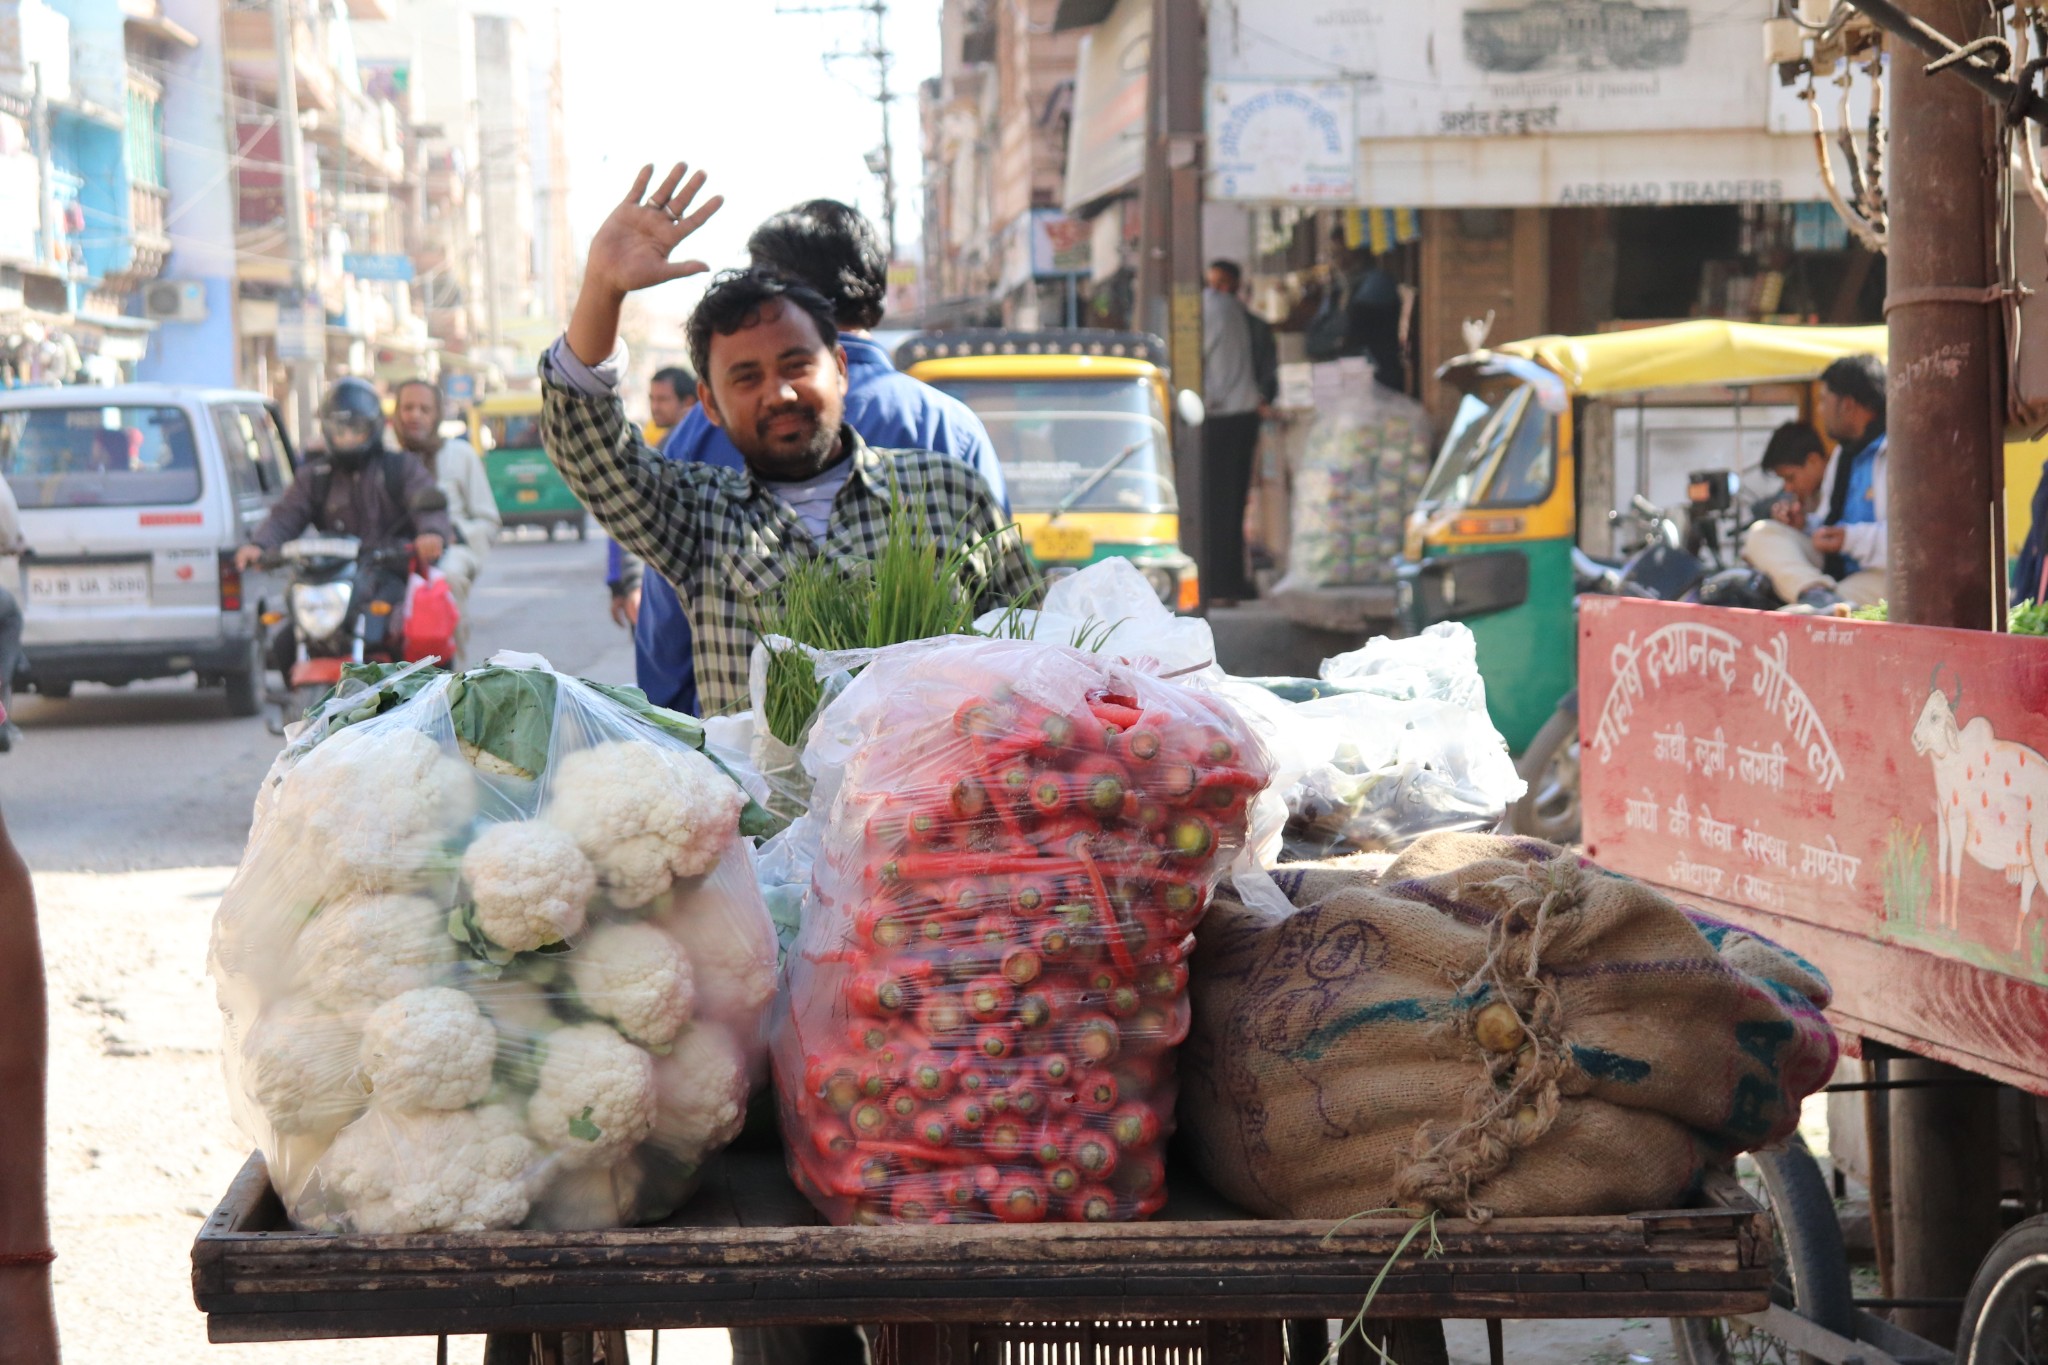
1188, 405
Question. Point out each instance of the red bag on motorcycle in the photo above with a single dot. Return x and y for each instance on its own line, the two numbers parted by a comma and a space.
430, 619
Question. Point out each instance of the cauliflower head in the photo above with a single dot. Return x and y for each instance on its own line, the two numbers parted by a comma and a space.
462, 1170
587, 1198
530, 883
635, 976
644, 814
372, 805
595, 1100
428, 1049
725, 933
362, 950
299, 1065
700, 1093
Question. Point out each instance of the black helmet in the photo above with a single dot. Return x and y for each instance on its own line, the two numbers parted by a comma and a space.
352, 421
1739, 588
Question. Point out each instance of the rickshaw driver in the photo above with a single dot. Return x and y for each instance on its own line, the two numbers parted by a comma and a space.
1843, 559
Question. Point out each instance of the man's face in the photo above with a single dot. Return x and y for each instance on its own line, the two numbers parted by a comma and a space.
1842, 418
418, 415
779, 392
1221, 281
662, 404
1804, 479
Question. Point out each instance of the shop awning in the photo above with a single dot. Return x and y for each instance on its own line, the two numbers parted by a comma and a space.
1106, 144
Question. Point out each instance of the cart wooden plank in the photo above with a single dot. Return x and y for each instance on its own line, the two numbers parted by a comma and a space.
749, 1251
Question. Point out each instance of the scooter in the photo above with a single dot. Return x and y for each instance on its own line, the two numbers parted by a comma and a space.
344, 605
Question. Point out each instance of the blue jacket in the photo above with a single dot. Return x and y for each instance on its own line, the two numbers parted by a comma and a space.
889, 409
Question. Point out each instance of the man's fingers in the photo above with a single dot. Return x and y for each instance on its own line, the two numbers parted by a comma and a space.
696, 218
682, 270
640, 183
668, 184
680, 200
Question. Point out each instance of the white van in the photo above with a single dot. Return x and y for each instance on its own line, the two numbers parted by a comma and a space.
133, 500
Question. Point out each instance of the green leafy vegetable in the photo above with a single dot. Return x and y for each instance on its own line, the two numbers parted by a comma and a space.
2030, 618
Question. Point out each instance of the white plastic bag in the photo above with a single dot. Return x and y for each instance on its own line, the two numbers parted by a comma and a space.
1365, 461
495, 956
1110, 609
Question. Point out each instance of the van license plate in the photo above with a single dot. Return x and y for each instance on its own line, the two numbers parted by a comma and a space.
529, 495
1052, 543
104, 585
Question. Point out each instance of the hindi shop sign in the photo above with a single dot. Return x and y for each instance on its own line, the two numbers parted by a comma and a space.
1282, 142
1886, 782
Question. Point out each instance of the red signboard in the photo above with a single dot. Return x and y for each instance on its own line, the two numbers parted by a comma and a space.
1872, 796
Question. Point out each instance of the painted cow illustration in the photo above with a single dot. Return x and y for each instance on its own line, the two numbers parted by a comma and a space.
1992, 796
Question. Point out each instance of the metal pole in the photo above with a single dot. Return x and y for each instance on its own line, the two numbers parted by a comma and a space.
1946, 346
1154, 202
46, 170
1947, 363
291, 141
884, 96
1185, 62
483, 187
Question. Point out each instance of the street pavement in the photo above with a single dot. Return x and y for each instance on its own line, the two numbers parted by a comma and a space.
131, 806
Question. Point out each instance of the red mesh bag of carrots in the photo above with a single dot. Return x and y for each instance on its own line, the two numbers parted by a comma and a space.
1016, 841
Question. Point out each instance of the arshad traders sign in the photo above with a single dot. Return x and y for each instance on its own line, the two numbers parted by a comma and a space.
1284, 141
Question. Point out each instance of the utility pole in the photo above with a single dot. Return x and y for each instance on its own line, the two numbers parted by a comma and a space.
1170, 264
881, 161
560, 261
304, 373
1946, 428
483, 189
46, 171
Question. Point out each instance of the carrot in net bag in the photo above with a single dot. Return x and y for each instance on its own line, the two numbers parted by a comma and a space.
495, 957
1015, 842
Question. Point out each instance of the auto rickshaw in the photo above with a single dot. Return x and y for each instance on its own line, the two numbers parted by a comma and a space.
505, 429
1079, 422
1553, 442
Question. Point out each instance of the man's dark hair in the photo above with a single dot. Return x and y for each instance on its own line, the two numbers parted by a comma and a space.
832, 248
735, 300
680, 382
1230, 268
1860, 377
440, 404
1791, 445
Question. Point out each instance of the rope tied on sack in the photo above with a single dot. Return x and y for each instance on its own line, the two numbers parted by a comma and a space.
1515, 1100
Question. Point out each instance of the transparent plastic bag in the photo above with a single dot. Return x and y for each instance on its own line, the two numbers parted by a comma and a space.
1361, 468
1014, 842
1394, 744
495, 956
1110, 609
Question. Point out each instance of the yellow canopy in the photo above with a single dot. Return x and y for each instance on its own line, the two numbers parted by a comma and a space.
1683, 354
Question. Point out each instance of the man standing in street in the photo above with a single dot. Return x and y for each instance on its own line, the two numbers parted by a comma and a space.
1230, 433
459, 473
835, 250
773, 378
1843, 558
670, 396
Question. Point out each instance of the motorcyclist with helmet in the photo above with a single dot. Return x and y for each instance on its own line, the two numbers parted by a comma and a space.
359, 487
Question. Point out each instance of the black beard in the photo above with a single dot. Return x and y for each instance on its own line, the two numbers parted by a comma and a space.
794, 466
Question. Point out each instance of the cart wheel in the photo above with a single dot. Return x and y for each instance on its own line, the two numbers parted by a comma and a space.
1550, 765
1812, 1268
2005, 1318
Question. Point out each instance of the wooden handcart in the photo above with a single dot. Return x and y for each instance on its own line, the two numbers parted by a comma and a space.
1202, 1282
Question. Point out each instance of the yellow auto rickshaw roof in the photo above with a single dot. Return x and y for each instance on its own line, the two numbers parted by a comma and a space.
514, 403
1688, 354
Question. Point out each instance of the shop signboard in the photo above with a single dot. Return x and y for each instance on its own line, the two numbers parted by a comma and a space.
378, 265
1874, 797
1285, 141
1511, 68
1106, 150
301, 331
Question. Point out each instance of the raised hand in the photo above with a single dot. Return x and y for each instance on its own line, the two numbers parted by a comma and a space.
632, 248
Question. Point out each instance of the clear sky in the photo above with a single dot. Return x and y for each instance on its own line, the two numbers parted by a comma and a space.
745, 93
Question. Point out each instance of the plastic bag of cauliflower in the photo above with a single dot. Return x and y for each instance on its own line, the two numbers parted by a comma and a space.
495, 957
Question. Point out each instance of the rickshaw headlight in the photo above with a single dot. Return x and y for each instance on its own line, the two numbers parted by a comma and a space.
1164, 581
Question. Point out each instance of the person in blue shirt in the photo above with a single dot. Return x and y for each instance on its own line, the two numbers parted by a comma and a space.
836, 251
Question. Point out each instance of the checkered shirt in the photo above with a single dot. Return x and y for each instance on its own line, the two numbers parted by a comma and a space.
725, 540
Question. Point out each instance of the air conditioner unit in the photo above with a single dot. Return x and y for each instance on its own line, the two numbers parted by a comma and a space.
175, 301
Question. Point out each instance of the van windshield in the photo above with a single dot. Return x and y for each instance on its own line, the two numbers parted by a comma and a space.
99, 456
1053, 436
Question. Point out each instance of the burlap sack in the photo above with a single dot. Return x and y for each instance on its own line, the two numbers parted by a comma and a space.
1492, 1026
